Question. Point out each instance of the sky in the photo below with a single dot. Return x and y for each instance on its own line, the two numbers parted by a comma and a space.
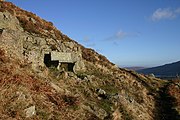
128, 32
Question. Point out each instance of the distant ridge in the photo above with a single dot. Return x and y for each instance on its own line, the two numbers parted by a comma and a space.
135, 68
166, 70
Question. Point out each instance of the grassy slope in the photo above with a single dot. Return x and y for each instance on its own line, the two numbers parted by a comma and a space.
21, 87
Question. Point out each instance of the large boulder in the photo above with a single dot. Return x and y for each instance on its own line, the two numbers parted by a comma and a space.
79, 67
9, 21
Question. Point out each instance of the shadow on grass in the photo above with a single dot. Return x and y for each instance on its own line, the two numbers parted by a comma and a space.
164, 106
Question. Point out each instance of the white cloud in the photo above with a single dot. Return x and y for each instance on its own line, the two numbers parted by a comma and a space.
165, 13
177, 11
88, 42
117, 36
121, 35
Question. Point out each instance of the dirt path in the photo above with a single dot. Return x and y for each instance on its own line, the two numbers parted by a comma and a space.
164, 105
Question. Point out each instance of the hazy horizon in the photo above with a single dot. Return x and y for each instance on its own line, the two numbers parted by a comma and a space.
128, 33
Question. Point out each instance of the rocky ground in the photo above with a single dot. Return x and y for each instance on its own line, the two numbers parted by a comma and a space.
95, 90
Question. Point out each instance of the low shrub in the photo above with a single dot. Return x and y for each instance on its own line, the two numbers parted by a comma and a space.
63, 100
3, 57
174, 91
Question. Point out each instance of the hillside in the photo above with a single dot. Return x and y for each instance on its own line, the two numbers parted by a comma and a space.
45, 75
172, 69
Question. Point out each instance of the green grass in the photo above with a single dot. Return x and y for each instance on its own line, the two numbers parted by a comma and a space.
81, 75
110, 89
106, 105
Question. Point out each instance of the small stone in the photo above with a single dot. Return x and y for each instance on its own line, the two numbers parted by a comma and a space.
152, 75
99, 98
101, 91
85, 79
30, 111
71, 74
65, 75
32, 20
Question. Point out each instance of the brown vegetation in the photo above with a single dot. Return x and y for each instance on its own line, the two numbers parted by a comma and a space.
133, 95
3, 58
34, 24
92, 56
30, 22
174, 91
16, 82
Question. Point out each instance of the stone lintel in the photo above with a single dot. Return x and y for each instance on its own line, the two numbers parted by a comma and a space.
62, 57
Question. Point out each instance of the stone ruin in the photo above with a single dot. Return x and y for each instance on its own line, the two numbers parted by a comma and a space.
61, 60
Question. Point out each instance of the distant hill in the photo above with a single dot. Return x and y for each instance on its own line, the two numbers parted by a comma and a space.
171, 69
136, 68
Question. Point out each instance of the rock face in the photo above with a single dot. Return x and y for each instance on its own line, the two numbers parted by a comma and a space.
8, 21
33, 48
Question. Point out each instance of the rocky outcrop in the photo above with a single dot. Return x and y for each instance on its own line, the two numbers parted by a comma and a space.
32, 48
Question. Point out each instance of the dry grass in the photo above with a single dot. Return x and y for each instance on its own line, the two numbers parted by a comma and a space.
51, 104
20, 90
3, 57
32, 23
93, 57
36, 93
174, 91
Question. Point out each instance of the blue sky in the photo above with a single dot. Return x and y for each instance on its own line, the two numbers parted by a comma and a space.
128, 32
